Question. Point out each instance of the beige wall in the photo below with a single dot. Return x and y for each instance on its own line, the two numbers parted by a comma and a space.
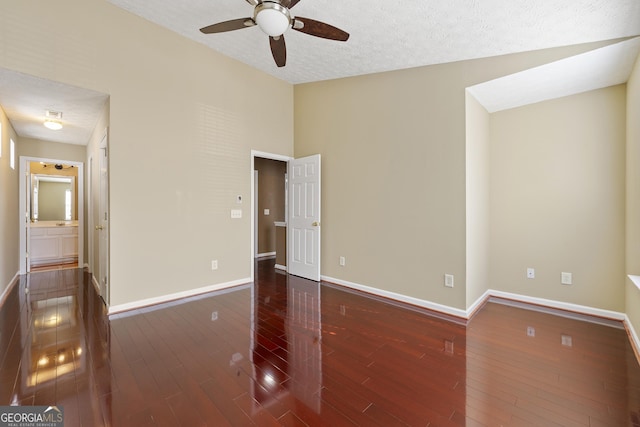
51, 150
183, 122
557, 198
633, 196
271, 195
393, 186
9, 236
478, 145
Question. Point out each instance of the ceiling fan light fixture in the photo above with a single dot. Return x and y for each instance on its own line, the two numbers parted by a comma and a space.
272, 18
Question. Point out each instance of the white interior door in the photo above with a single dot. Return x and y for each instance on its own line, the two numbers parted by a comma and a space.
103, 222
304, 218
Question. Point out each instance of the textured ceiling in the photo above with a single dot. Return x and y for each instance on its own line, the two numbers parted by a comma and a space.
393, 34
25, 100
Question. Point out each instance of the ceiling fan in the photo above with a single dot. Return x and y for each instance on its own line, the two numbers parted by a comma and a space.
273, 18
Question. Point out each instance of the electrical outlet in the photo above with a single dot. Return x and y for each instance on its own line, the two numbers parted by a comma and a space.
566, 278
342, 261
448, 280
214, 316
266, 211
214, 264
531, 273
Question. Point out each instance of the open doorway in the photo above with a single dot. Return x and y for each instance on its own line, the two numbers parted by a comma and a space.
52, 199
270, 207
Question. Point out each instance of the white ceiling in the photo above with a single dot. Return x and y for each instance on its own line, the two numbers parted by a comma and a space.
393, 34
25, 100
599, 68
385, 35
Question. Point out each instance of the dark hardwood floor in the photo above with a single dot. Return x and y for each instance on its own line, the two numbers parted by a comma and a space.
287, 351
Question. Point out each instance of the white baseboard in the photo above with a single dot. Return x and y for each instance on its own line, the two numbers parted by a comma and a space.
566, 306
266, 255
399, 297
8, 289
281, 267
172, 297
473, 308
633, 336
468, 313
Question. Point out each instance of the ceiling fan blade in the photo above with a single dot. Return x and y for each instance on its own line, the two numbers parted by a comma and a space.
319, 29
278, 50
234, 24
287, 3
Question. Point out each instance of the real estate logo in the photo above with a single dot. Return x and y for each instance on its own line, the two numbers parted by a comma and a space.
31, 416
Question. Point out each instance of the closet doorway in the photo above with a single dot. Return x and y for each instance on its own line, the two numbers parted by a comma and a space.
270, 206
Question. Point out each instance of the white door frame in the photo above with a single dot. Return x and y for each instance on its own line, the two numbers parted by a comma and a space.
23, 209
104, 220
90, 213
271, 156
254, 210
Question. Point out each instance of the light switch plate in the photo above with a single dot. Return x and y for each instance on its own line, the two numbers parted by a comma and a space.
236, 213
266, 211
566, 278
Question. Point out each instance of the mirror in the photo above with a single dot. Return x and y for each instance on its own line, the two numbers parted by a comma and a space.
53, 193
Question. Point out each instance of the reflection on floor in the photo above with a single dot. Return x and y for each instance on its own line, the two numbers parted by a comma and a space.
287, 351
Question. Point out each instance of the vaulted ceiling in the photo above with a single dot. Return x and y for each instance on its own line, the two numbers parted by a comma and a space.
393, 34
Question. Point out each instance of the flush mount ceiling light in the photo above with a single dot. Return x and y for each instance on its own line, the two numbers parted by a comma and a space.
52, 120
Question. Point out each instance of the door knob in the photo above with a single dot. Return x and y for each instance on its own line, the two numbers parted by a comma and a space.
316, 224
